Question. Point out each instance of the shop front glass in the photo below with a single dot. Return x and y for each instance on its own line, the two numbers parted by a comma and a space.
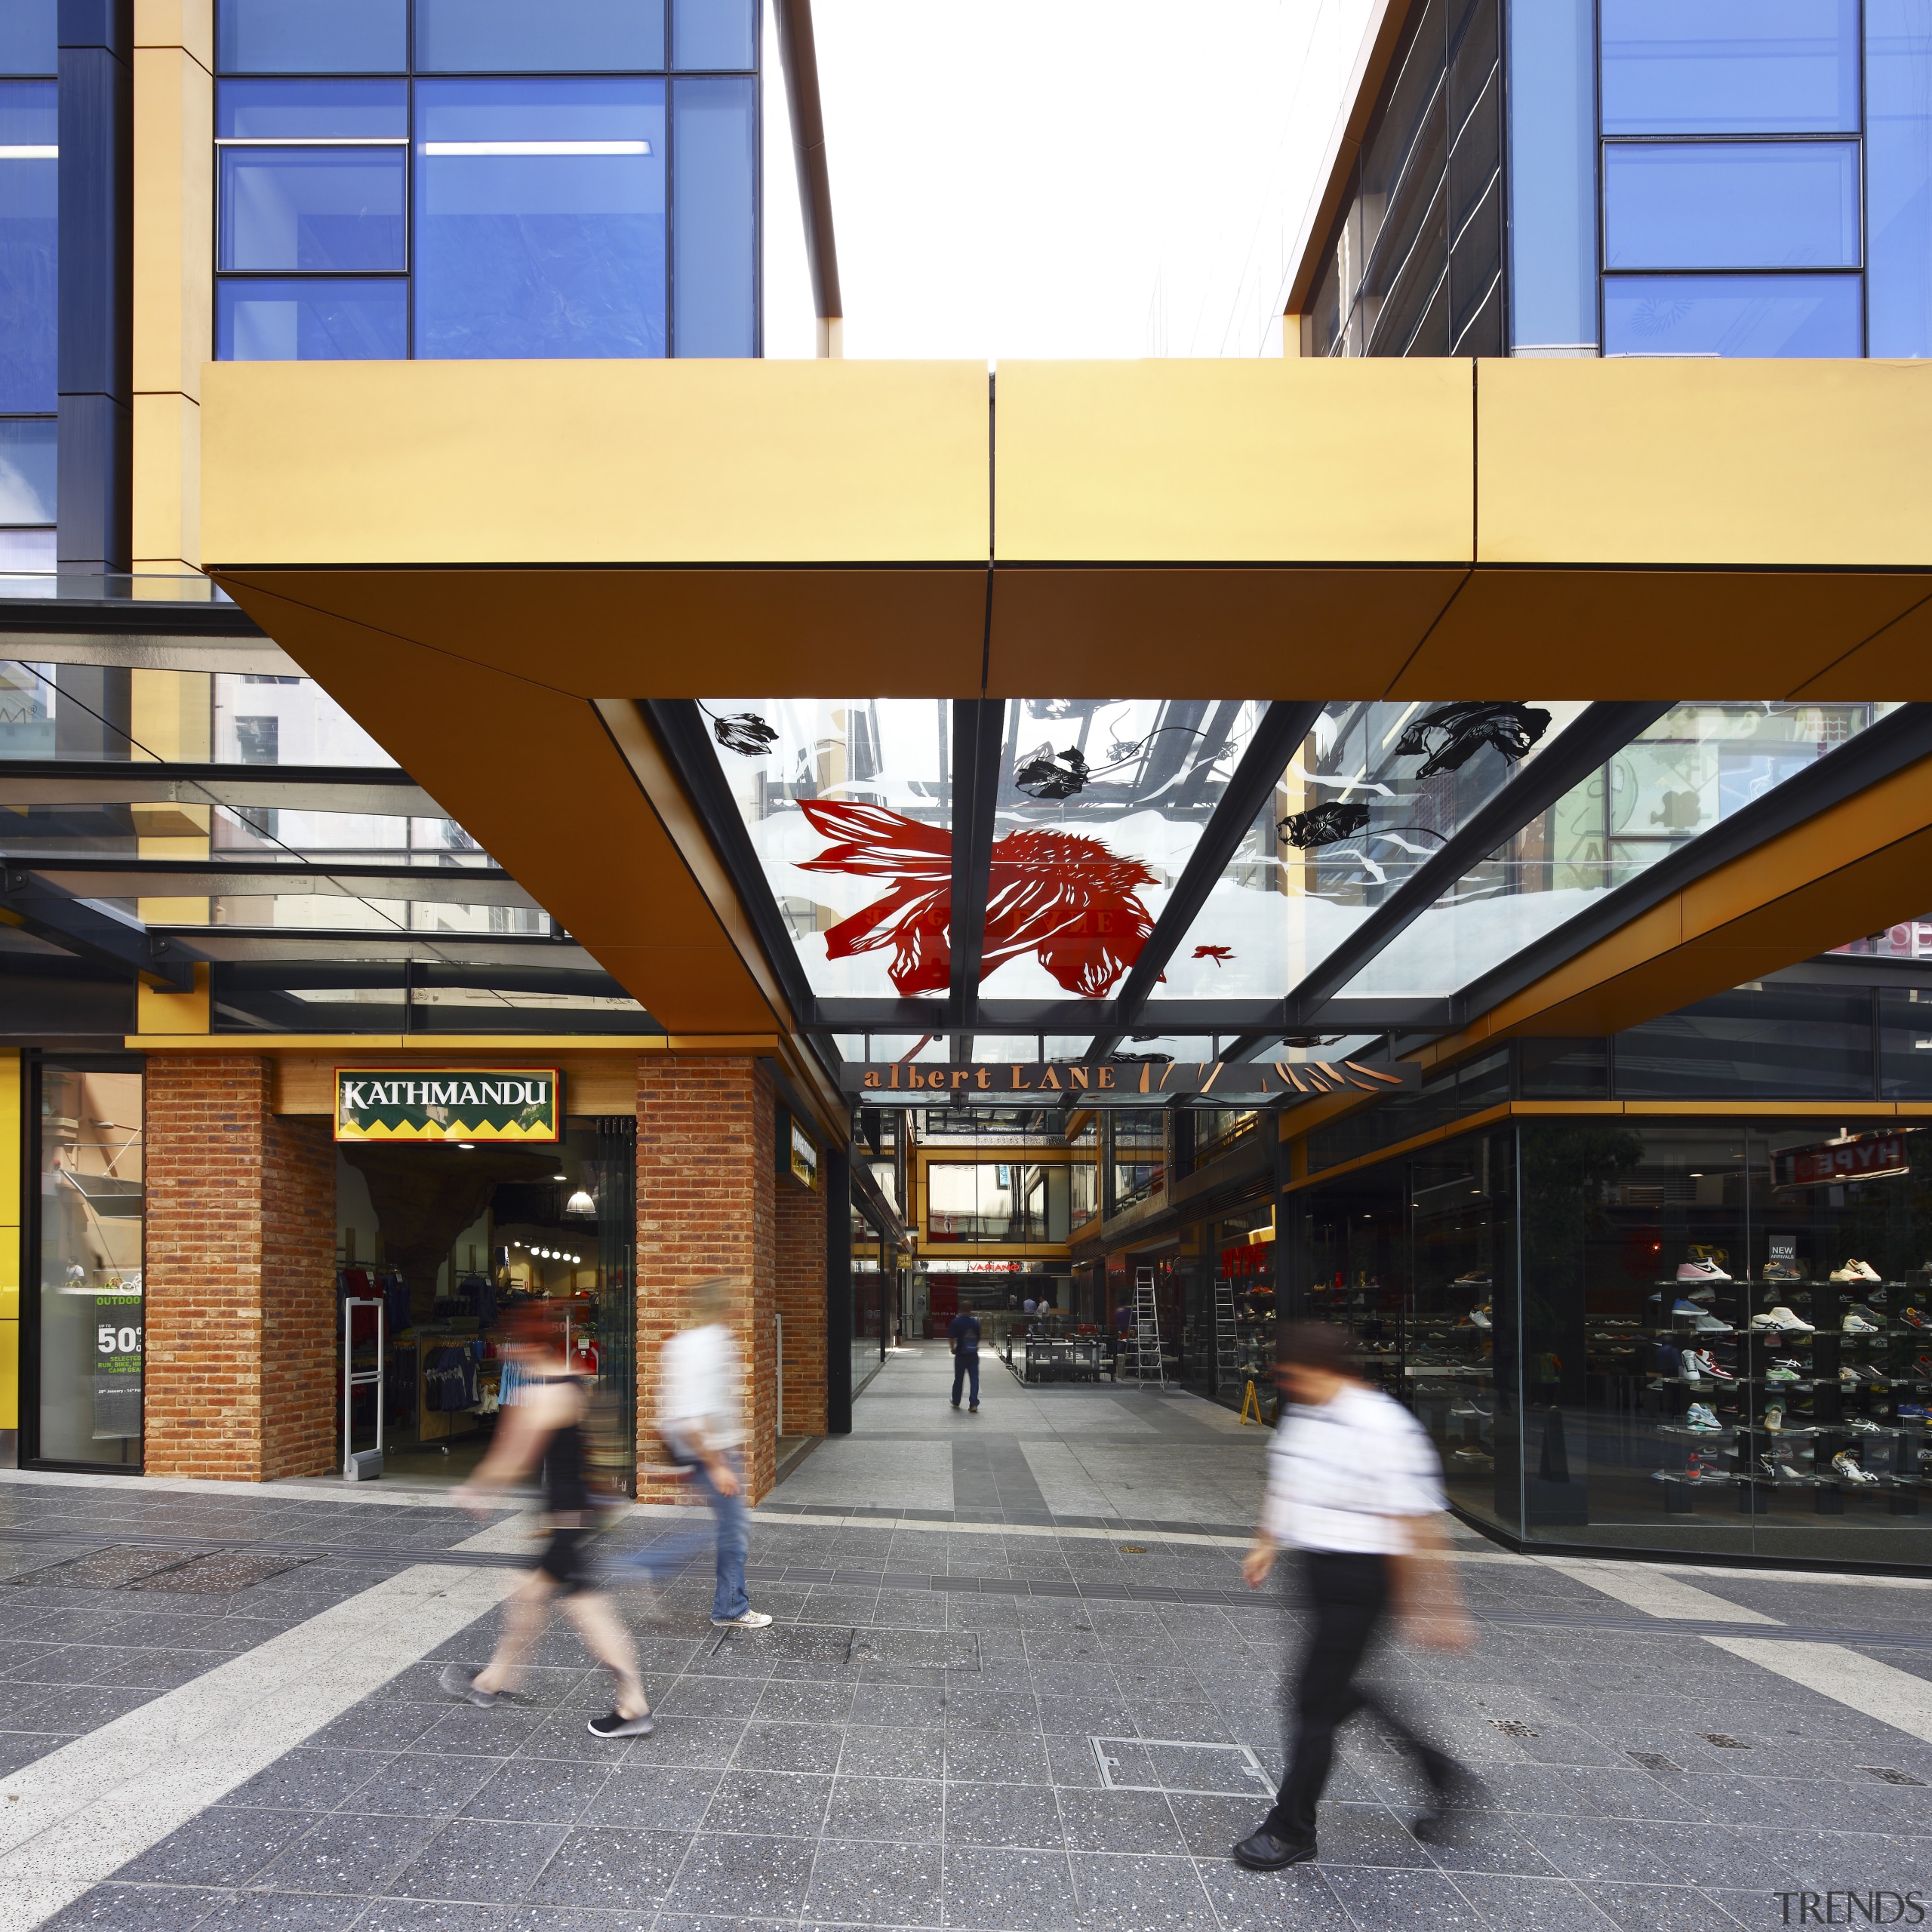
90, 1329
871, 1257
1716, 1338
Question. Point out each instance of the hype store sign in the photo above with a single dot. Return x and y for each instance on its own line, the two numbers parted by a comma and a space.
1866, 1158
447, 1103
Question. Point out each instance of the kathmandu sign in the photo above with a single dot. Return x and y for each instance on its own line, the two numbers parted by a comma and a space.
447, 1103
999, 1080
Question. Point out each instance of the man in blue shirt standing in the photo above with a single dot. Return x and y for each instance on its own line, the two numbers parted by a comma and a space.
964, 1336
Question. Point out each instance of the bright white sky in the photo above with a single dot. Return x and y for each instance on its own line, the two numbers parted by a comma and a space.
1016, 178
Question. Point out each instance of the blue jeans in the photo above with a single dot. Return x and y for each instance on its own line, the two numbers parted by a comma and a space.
964, 1363
665, 1558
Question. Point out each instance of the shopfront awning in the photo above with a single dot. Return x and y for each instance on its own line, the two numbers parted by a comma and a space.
1611, 660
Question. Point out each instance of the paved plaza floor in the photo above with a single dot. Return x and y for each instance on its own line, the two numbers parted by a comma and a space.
1014, 1682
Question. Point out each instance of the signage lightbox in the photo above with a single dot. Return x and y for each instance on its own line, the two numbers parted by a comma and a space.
447, 1103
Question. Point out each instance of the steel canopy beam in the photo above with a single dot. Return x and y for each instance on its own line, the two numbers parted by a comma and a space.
978, 736
1283, 726
94, 932
163, 879
1589, 741
377, 791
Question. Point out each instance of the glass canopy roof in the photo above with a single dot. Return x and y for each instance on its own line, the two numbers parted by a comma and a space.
1229, 878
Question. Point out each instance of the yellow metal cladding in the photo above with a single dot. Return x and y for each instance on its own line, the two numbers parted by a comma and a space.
1228, 461
174, 286
10, 1239
609, 461
1698, 461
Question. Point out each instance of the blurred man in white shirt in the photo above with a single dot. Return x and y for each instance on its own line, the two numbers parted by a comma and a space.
1355, 1487
701, 1419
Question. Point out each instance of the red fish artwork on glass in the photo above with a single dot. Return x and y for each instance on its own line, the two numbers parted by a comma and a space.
1219, 954
1065, 899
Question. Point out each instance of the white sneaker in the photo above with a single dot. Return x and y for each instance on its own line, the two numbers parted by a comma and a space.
752, 1619
1863, 1271
1782, 1318
1712, 1324
1701, 1271
1702, 1420
1857, 1325
1773, 1418
1848, 1465
1705, 1367
1863, 1426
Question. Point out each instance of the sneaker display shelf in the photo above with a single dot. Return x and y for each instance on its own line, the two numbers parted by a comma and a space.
1819, 1395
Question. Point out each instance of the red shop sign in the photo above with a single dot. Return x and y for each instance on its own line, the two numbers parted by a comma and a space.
1865, 1159
1237, 1263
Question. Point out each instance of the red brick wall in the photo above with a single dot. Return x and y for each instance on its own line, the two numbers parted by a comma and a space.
705, 1189
240, 1273
801, 1300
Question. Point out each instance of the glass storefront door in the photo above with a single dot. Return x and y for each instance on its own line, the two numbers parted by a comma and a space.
88, 1333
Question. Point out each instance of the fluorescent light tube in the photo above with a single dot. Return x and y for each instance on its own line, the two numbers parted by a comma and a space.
29, 154
535, 147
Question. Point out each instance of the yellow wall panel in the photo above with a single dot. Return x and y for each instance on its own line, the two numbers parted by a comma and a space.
1679, 460
9, 1374
1235, 460
603, 461
167, 481
158, 1011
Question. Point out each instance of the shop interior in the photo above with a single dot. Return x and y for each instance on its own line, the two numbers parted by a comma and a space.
433, 1244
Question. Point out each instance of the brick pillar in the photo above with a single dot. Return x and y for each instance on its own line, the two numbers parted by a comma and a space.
706, 1184
801, 1300
240, 1273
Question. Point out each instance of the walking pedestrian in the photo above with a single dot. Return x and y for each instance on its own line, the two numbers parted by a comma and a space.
544, 1429
701, 1419
1356, 1488
964, 1336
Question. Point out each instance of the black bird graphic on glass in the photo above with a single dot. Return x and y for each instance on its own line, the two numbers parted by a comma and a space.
1446, 738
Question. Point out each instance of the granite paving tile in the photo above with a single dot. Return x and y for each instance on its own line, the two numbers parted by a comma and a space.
483, 1861
885, 1884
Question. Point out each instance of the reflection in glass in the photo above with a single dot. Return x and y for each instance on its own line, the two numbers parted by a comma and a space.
716, 278
562, 36
299, 37
720, 34
312, 110
1372, 793
540, 213
331, 321
1711, 67
29, 37
1745, 205
313, 209
1693, 768
91, 1209
864, 879
28, 247
1898, 168
28, 456
1552, 179
1732, 315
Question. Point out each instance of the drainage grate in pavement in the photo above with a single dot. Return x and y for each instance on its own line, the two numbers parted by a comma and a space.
1892, 1777
1655, 1761
1723, 1740
1512, 1727
111, 1569
218, 1574
1180, 1768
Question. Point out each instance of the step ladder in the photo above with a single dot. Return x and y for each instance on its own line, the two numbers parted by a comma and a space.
1227, 1346
1148, 1369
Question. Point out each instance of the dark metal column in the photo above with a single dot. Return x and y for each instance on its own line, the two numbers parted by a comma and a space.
96, 127
838, 1291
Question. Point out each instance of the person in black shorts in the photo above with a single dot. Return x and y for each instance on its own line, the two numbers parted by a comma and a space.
544, 1428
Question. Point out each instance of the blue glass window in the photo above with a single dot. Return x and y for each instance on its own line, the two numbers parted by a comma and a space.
312, 37
322, 319
27, 453
716, 275
30, 39
29, 235
559, 37
1898, 173
315, 209
1757, 205
717, 35
312, 110
1732, 315
540, 218
1730, 66
1552, 181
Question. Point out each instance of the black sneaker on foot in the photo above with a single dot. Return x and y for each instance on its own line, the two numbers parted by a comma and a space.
1452, 1789
615, 1726
458, 1682
1263, 1853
